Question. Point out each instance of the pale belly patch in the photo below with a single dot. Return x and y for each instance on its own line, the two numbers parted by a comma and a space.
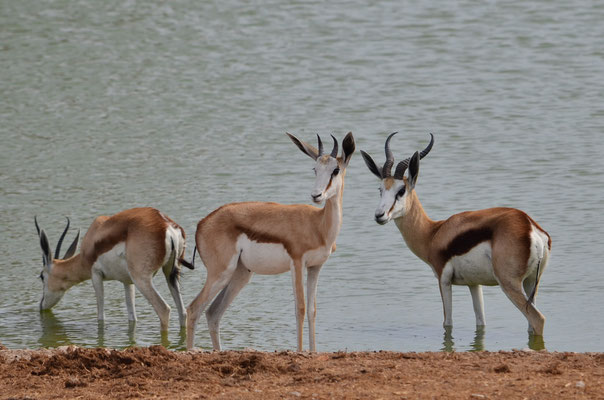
473, 268
112, 265
263, 258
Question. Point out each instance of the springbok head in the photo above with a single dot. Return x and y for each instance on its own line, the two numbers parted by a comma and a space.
330, 169
395, 189
54, 286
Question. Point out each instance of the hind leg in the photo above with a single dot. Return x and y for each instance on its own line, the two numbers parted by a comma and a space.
529, 284
240, 278
514, 291
174, 286
145, 285
216, 280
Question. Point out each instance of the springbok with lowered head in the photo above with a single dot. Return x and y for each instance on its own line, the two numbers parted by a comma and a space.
129, 247
239, 239
496, 246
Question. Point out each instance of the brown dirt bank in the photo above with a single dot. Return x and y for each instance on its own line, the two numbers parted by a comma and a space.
155, 372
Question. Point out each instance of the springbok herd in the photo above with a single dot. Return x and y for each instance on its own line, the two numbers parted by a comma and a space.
495, 246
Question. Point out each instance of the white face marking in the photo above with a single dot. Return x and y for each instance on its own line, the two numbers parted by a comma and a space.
113, 265
472, 268
49, 298
327, 170
392, 201
263, 258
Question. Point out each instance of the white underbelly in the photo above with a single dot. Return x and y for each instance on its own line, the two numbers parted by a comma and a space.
263, 258
473, 268
112, 265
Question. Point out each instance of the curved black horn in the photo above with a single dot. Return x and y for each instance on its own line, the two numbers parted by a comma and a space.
334, 151
320, 145
387, 168
58, 250
402, 166
37, 226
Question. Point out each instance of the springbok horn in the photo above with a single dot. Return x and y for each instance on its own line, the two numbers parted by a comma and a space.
37, 226
387, 168
334, 151
402, 166
58, 250
72, 248
320, 145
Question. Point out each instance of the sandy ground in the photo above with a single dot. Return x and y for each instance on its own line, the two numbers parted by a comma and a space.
154, 372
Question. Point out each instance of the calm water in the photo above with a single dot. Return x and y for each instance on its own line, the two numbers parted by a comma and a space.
183, 106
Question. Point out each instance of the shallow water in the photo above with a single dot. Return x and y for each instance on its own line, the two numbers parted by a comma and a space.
183, 106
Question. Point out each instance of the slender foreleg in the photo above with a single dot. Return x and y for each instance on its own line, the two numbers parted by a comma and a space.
97, 284
298, 284
129, 291
446, 293
478, 303
312, 278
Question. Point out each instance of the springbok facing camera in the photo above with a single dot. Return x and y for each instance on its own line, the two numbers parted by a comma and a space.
130, 247
239, 239
496, 246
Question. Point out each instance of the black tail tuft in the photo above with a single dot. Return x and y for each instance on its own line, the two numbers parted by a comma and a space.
175, 272
190, 265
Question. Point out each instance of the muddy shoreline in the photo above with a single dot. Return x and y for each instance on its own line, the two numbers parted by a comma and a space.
154, 372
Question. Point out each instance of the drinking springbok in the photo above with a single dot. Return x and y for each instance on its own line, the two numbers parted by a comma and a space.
496, 246
130, 247
239, 239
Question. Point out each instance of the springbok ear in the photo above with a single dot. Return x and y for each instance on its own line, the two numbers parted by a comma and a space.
46, 254
306, 148
371, 164
348, 148
72, 248
413, 169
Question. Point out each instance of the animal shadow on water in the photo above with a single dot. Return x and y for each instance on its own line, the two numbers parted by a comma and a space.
476, 345
535, 342
53, 331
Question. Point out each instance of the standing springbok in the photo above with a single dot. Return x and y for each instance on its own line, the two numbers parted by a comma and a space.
496, 246
130, 247
239, 239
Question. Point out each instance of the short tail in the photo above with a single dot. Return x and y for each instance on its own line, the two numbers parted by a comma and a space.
190, 265
531, 298
175, 271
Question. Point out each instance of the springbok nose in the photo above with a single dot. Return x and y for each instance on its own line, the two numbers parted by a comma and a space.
379, 216
315, 196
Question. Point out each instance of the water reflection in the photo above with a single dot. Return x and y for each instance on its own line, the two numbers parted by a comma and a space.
53, 331
478, 342
448, 344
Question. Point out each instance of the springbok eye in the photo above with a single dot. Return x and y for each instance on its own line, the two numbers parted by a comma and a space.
336, 171
401, 192
41, 277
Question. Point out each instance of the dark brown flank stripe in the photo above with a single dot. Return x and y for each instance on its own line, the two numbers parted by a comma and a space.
262, 237
464, 242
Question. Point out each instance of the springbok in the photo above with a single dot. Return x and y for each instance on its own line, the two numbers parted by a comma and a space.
239, 239
129, 247
496, 246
